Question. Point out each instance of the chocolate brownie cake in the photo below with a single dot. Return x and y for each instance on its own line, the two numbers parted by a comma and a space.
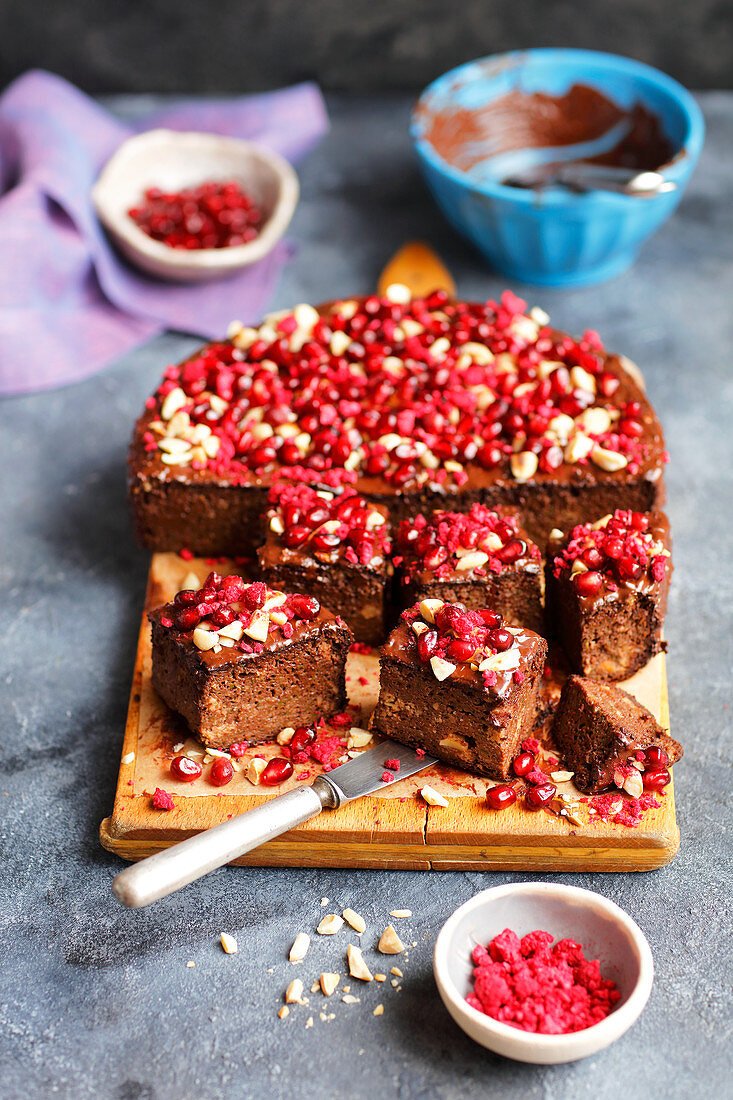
607, 738
420, 403
334, 546
240, 661
607, 587
482, 558
461, 685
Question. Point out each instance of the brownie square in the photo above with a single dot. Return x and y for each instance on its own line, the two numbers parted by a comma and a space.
460, 684
334, 546
600, 730
483, 558
607, 585
240, 662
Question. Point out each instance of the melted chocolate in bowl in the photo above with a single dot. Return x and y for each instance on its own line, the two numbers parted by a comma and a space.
466, 137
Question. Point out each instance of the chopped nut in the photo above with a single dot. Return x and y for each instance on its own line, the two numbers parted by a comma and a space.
433, 798
350, 999
232, 630
204, 639
398, 293
358, 738
294, 992
378, 1010
594, 421
608, 460
634, 785
524, 465
255, 769
562, 777
501, 662
556, 534
582, 380
357, 967
441, 669
401, 913
330, 925
472, 560
228, 943
284, 1011
579, 447
428, 609
172, 402
309, 1022
419, 627
299, 950
259, 626
389, 942
380, 977
128, 758
328, 982
285, 736
356, 921
396, 971
190, 964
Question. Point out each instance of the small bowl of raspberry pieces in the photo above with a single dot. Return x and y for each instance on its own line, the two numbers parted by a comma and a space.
543, 973
189, 207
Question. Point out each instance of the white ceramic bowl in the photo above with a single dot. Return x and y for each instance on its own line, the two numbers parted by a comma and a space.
604, 931
172, 160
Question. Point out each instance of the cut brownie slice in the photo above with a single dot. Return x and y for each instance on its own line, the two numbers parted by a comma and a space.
333, 545
240, 662
607, 592
481, 559
461, 685
608, 738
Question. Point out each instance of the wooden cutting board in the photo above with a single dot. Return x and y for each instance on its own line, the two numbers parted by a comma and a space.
395, 828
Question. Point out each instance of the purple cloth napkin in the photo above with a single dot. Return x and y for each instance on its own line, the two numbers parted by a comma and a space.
68, 303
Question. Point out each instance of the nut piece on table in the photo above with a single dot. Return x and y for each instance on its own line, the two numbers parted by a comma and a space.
356, 921
228, 943
357, 967
389, 942
330, 925
294, 992
299, 950
329, 981
433, 797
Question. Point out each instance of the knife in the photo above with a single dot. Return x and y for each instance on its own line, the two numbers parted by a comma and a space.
165, 872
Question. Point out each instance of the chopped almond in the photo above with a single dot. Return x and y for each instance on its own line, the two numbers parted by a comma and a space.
357, 967
389, 942
228, 943
355, 920
330, 925
299, 950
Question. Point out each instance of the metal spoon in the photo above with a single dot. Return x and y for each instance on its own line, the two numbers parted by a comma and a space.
593, 177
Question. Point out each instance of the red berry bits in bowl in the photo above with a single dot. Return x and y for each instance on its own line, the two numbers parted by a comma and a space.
334, 544
461, 685
483, 558
410, 400
535, 985
211, 215
548, 996
188, 206
241, 661
607, 585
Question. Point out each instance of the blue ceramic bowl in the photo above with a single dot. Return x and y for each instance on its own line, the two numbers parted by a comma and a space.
556, 237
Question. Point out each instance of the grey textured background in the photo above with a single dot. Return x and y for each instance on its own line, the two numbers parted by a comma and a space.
97, 1001
192, 46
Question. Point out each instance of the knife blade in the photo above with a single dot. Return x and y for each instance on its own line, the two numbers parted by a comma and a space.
167, 871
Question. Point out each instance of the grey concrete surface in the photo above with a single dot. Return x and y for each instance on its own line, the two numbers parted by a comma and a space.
190, 46
98, 1001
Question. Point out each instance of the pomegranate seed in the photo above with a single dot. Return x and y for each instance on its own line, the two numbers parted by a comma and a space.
255, 595
656, 758
592, 557
187, 618
523, 763
239, 748
608, 384
303, 736
185, 769
295, 536
305, 607
277, 771
512, 552
185, 598
491, 618
223, 616
628, 569
613, 547
541, 795
501, 796
212, 215
655, 780
587, 584
326, 542
317, 516
460, 649
427, 644
501, 639
221, 772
